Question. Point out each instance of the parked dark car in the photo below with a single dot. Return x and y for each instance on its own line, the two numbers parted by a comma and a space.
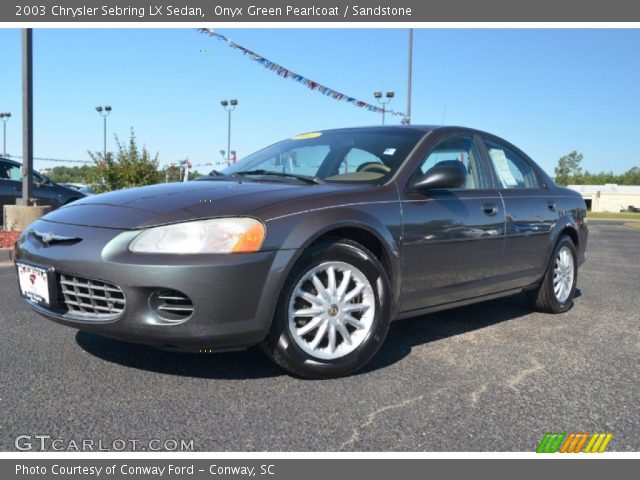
45, 192
80, 187
311, 247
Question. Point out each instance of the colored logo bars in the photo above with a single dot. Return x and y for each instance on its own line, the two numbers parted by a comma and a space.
574, 443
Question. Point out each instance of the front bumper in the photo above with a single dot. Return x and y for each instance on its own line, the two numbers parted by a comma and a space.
234, 296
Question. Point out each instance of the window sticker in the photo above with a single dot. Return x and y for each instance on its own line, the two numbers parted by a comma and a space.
389, 151
501, 163
304, 136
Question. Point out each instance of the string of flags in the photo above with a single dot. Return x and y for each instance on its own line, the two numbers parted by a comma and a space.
286, 73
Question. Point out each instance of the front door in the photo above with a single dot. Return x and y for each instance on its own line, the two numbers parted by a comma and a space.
453, 240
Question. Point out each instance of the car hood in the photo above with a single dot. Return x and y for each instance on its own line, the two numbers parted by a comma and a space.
177, 202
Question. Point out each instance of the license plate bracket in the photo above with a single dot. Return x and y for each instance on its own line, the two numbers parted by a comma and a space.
37, 283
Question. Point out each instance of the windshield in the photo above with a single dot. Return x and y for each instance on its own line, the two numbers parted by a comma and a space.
353, 155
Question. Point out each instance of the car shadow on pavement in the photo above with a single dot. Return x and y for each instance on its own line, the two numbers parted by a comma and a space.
248, 364
406, 334
244, 364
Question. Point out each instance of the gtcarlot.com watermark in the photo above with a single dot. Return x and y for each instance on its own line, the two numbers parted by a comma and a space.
49, 443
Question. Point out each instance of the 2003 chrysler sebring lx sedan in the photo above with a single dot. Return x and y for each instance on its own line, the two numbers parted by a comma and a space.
310, 247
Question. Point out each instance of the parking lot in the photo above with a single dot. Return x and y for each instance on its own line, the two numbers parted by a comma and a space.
489, 377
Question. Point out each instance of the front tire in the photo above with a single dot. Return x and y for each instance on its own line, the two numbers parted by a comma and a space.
555, 292
333, 312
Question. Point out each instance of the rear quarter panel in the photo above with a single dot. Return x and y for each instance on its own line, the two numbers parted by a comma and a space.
572, 213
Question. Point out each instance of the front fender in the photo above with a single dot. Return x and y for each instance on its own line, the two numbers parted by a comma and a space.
295, 233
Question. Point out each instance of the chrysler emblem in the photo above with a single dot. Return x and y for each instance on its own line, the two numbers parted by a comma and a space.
49, 237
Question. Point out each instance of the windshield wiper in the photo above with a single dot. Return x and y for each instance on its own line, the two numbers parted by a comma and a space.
304, 178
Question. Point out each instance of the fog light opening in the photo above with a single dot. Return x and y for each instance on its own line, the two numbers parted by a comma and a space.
171, 306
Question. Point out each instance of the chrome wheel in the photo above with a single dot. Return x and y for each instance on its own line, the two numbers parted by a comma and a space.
331, 310
563, 274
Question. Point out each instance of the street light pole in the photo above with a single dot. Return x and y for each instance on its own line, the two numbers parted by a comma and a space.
389, 95
27, 117
5, 116
409, 76
229, 139
104, 113
229, 106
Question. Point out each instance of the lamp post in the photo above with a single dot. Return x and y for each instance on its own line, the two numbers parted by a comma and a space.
27, 118
5, 116
409, 75
389, 95
104, 113
229, 106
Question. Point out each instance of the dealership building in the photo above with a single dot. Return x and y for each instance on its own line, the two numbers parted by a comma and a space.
609, 197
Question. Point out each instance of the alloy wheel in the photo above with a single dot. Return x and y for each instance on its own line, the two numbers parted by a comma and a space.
563, 274
331, 310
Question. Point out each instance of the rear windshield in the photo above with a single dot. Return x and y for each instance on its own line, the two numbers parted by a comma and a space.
338, 156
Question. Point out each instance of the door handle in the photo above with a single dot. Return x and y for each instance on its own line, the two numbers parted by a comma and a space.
551, 205
489, 209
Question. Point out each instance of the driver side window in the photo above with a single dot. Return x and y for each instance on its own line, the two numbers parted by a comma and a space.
356, 159
458, 148
14, 172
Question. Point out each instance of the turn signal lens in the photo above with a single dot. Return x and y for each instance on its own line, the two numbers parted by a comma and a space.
251, 240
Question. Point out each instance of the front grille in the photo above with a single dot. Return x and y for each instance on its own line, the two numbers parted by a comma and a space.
88, 298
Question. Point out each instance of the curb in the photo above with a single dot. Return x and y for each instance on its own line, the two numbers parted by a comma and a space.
5, 256
596, 219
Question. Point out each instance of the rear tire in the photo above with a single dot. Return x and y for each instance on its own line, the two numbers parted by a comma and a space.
555, 292
333, 312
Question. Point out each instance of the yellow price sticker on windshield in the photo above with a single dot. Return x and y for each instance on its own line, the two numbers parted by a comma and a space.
304, 136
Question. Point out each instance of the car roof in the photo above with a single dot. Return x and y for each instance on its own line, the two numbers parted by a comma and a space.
422, 128
432, 128
3, 159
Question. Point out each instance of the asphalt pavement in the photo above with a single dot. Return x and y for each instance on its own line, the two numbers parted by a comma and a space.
489, 377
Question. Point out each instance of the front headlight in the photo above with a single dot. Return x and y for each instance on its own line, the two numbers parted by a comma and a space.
219, 235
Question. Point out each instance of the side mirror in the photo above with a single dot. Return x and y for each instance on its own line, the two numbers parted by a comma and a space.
447, 174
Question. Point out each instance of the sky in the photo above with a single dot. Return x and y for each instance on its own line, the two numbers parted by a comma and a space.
548, 91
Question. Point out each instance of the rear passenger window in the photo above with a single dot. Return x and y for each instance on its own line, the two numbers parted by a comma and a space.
512, 171
460, 148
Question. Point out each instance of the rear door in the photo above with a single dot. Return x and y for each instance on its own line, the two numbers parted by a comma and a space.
453, 240
530, 213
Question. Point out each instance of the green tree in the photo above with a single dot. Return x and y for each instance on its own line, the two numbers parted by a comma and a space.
76, 174
130, 167
194, 174
173, 173
562, 172
631, 176
569, 169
